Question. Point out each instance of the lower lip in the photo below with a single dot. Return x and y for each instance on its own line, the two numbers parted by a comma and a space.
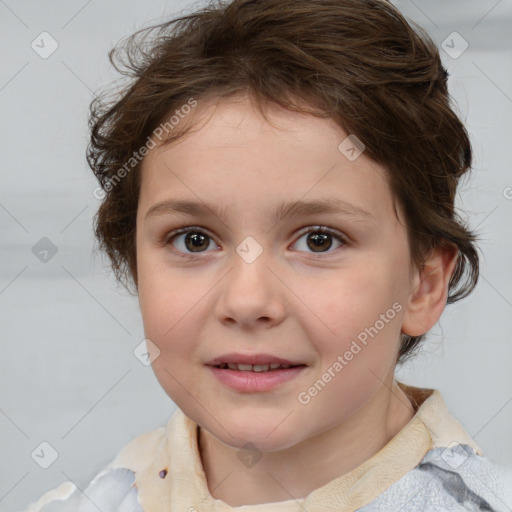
255, 381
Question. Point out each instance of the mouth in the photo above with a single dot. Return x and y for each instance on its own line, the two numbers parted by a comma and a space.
254, 373
270, 367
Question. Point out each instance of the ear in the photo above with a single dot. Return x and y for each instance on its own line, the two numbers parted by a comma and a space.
429, 291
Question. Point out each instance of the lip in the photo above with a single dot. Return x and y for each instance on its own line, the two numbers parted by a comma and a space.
251, 359
250, 381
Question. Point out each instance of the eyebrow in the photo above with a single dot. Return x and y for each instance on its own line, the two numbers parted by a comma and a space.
283, 211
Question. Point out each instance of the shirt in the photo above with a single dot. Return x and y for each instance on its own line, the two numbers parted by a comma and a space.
432, 464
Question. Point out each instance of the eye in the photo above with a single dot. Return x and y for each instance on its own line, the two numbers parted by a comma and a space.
190, 241
320, 239
194, 240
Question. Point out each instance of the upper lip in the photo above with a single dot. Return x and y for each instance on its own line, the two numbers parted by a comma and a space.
251, 359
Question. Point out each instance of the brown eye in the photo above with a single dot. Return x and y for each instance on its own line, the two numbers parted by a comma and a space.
320, 240
189, 241
196, 242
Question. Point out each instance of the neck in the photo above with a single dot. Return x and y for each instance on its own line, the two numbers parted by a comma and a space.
297, 471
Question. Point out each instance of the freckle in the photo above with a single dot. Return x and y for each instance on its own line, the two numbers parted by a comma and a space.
163, 473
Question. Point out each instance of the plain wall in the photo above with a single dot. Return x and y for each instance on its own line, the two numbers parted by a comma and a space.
68, 373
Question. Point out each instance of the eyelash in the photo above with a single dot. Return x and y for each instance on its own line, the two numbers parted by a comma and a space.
196, 229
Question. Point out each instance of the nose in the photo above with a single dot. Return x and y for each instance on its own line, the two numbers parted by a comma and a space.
251, 295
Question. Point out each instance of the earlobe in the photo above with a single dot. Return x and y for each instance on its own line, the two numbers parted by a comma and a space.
429, 291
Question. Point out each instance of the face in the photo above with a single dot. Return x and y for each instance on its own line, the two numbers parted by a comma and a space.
252, 280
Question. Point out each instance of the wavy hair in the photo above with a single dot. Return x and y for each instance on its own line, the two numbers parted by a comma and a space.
358, 62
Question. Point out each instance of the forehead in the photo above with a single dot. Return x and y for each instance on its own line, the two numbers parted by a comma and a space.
233, 156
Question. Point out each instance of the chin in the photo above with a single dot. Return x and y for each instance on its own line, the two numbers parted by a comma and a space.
264, 433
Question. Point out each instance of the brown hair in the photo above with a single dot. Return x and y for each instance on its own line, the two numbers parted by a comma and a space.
356, 61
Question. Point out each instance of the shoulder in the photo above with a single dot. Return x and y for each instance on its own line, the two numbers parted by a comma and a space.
453, 474
110, 491
455, 478
113, 488
477, 482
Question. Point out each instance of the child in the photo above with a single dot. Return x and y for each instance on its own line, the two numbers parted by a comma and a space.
253, 133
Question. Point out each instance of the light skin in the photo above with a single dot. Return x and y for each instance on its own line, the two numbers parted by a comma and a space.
292, 301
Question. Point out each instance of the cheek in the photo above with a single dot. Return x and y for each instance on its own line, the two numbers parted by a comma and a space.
170, 308
167, 301
161, 291
356, 313
348, 299
166, 313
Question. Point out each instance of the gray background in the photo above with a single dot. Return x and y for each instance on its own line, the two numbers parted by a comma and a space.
68, 373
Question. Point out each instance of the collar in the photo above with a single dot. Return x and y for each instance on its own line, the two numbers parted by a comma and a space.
174, 449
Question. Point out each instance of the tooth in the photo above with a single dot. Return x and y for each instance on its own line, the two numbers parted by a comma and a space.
232, 366
260, 367
285, 366
273, 366
245, 367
